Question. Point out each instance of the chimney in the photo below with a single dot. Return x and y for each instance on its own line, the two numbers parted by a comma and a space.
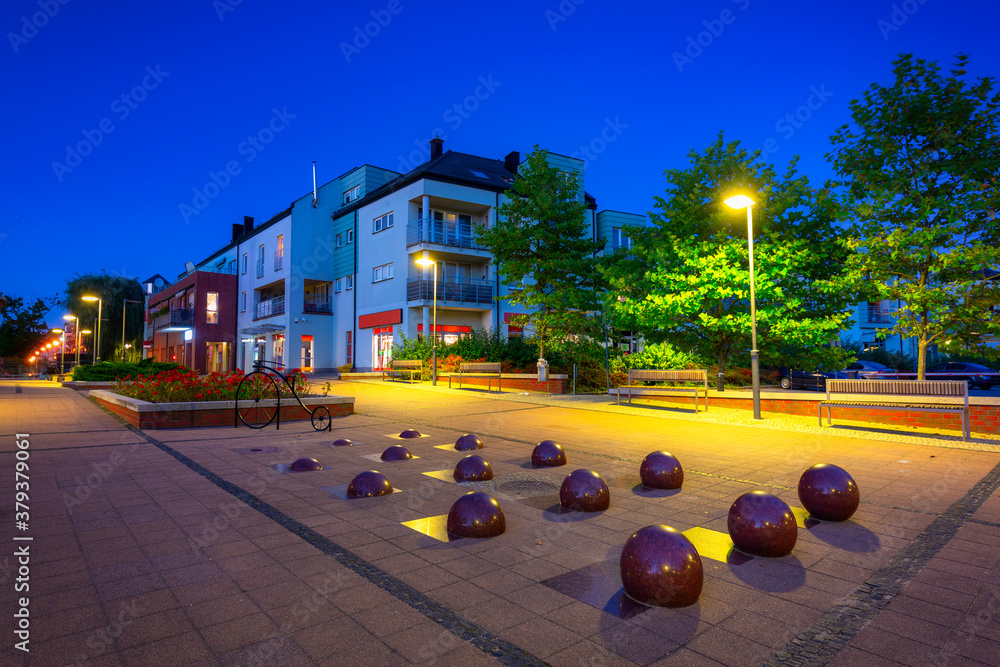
237, 230
436, 144
511, 161
247, 224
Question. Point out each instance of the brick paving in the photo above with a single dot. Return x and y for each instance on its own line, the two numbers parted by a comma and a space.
172, 548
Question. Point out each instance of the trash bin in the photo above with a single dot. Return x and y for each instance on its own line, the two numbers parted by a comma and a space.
543, 370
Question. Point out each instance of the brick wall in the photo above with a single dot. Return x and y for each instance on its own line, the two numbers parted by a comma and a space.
213, 417
555, 386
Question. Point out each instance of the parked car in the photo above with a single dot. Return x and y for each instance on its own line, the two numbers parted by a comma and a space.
962, 370
796, 379
867, 370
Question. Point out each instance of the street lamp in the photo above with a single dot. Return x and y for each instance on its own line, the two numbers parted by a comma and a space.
83, 333
124, 303
742, 201
425, 262
76, 335
100, 305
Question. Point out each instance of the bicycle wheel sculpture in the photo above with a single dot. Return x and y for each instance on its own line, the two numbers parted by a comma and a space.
321, 418
257, 400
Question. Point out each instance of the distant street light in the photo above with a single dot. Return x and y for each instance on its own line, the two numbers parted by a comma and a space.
425, 262
100, 305
743, 201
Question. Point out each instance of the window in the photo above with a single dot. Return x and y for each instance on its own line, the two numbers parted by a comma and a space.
243, 301
212, 310
244, 263
349, 346
337, 286
260, 261
383, 222
352, 194
350, 282
478, 174
380, 273
232, 267
620, 240
350, 236
340, 241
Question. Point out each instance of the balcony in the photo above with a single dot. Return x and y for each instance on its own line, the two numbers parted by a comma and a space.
260, 268
452, 290
279, 258
178, 319
453, 235
877, 315
317, 303
269, 308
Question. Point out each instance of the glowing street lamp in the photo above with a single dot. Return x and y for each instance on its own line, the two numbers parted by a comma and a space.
100, 305
76, 328
425, 262
743, 201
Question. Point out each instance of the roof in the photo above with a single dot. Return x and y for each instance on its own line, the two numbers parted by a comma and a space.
152, 279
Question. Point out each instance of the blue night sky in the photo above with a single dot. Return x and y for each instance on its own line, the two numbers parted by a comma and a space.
210, 75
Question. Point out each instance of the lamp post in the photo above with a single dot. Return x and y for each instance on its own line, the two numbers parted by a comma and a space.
124, 303
425, 262
53, 343
76, 328
100, 305
84, 332
742, 201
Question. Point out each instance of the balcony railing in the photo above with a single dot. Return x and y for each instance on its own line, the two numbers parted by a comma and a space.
876, 315
177, 319
317, 303
279, 257
455, 290
270, 308
260, 268
455, 235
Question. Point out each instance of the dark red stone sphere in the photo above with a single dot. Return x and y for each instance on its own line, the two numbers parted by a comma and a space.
410, 433
305, 465
369, 484
396, 453
761, 524
660, 566
343, 442
584, 491
473, 468
476, 514
661, 470
548, 453
829, 492
468, 442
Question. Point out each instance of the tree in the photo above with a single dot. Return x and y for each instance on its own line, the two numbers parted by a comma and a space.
541, 243
920, 167
686, 279
112, 290
22, 327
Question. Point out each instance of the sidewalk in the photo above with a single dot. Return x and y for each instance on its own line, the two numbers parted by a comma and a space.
185, 547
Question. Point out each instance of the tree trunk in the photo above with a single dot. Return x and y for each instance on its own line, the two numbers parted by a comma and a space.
722, 369
922, 346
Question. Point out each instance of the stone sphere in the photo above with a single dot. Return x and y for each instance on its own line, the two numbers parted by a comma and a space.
410, 433
396, 453
473, 468
305, 465
660, 566
343, 442
661, 470
584, 491
829, 492
762, 524
476, 514
369, 484
468, 442
548, 453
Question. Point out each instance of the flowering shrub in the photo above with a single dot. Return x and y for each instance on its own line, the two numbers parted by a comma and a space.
186, 386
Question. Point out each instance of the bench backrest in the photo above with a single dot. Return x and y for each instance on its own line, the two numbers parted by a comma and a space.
479, 367
945, 388
407, 363
691, 375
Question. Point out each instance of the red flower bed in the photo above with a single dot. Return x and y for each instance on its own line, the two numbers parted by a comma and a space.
186, 386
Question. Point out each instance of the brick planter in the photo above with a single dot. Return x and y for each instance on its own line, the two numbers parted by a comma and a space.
984, 412
207, 413
557, 384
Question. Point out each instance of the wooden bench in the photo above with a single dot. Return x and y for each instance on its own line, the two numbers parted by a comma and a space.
882, 389
477, 369
413, 367
638, 375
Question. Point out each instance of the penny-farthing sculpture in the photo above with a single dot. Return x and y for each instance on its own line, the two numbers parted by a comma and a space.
258, 400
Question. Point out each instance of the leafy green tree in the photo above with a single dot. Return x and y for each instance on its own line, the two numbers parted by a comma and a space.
920, 165
112, 290
22, 327
541, 243
686, 279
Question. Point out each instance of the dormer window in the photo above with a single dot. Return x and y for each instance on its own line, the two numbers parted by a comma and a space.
352, 194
